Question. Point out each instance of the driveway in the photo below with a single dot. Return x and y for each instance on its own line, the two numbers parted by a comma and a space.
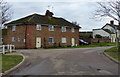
72, 61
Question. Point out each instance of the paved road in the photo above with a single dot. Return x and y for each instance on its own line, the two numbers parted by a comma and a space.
79, 61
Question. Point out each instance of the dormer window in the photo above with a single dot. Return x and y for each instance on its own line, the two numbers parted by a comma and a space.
63, 28
51, 28
13, 28
72, 30
38, 27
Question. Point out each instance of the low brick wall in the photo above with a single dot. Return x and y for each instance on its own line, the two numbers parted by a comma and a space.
97, 40
100, 40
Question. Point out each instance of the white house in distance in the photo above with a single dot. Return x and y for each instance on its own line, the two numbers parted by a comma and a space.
108, 31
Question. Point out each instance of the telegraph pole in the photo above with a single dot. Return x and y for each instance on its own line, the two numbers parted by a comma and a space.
118, 27
116, 37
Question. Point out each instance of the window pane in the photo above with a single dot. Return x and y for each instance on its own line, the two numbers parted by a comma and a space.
13, 28
51, 40
51, 28
63, 29
38, 27
72, 29
63, 40
13, 39
18, 39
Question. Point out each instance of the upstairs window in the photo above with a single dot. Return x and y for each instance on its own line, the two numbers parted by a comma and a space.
63, 40
72, 30
13, 39
113, 30
63, 29
51, 40
38, 27
13, 28
51, 28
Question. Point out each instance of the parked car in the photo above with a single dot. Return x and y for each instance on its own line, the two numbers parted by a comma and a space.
82, 42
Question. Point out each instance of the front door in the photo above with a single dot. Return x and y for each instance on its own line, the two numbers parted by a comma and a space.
73, 42
38, 42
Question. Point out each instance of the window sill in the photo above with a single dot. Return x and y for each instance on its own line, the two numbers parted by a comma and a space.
51, 30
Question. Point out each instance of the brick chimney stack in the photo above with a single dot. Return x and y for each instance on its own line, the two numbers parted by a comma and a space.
112, 22
48, 13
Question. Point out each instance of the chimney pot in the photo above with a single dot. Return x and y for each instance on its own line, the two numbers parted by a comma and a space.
112, 22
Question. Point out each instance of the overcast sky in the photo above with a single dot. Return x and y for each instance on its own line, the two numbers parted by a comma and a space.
80, 11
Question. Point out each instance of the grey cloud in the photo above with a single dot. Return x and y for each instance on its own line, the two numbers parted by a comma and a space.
72, 11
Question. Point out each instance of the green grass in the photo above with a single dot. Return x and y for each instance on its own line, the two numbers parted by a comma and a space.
113, 53
85, 46
9, 51
104, 44
9, 61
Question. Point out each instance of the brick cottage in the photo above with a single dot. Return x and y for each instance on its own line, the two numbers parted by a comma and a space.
38, 31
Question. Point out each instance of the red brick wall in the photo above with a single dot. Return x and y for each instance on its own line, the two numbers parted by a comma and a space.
32, 33
100, 40
20, 32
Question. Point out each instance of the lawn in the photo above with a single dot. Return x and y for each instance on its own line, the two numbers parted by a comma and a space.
113, 53
85, 46
9, 61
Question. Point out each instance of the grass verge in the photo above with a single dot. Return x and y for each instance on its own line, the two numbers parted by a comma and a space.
113, 53
9, 61
85, 46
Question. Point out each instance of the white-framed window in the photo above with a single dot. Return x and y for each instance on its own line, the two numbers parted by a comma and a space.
18, 39
13, 39
38, 27
13, 28
63, 40
51, 40
72, 30
63, 28
51, 28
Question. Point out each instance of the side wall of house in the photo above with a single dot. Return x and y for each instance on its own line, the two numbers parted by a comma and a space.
44, 33
109, 28
18, 33
57, 34
100, 32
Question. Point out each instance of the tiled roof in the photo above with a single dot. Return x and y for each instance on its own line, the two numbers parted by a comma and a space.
42, 19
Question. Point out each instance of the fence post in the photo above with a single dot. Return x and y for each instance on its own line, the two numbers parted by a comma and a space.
10, 48
3, 49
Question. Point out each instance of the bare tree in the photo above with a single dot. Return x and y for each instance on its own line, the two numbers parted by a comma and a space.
108, 9
5, 11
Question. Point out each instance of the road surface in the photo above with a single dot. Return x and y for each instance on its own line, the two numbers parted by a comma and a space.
72, 61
